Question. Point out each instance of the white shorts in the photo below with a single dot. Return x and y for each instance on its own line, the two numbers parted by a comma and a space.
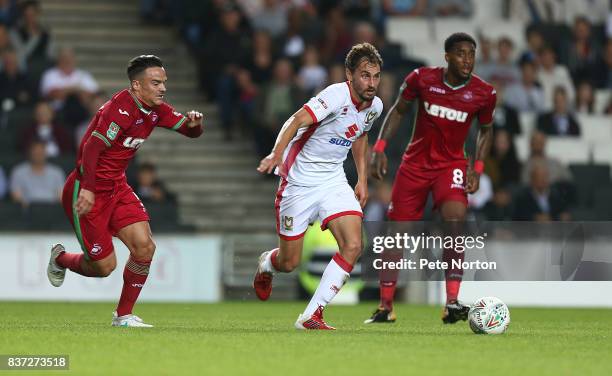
297, 207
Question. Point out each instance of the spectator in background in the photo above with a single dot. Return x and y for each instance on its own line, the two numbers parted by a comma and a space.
272, 17
378, 203
336, 74
552, 75
505, 117
276, 103
585, 99
557, 172
7, 45
94, 105
450, 8
484, 63
338, 36
36, 181
608, 108
247, 96
312, 75
3, 185
477, 201
68, 88
583, 50
559, 122
526, 95
8, 12
225, 52
404, 7
56, 139
601, 72
31, 40
502, 165
535, 42
149, 187
262, 58
504, 70
540, 202
293, 42
14, 83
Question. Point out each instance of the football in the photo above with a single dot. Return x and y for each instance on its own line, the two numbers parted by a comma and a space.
489, 315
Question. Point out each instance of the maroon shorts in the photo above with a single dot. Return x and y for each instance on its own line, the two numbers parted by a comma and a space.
413, 184
113, 209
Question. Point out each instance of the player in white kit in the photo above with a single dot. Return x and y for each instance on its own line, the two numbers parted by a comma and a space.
308, 156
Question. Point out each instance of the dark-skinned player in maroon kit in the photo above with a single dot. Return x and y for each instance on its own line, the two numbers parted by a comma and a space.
434, 161
97, 199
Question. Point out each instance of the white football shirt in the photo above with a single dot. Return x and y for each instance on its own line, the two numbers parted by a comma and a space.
316, 154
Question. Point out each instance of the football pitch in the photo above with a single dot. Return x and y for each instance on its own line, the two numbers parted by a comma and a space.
252, 338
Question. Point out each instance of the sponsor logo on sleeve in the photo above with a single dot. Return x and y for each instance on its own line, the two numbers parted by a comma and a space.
123, 112
322, 103
112, 131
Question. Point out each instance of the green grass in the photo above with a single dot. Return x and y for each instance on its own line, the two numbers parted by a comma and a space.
259, 339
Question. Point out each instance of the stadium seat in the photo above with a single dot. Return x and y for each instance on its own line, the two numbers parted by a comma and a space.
528, 120
47, 217
603, 203
595, 129
568, 149
11, 216
587, 177
602, 153
495, 29
408, 31
602, 98
521, 143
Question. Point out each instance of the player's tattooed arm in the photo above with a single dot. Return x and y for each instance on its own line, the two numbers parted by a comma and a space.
378, 162
483, 145
298, 120
360, 150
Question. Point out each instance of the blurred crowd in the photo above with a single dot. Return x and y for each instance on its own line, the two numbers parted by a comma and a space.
46, 103
260, 60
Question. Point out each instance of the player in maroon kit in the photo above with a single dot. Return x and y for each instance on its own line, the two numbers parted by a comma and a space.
434, 161
97, 199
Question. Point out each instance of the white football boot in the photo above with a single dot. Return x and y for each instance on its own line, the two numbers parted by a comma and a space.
130, 320
56, 273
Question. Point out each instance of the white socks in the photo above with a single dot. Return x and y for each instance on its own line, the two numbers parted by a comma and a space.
335, 275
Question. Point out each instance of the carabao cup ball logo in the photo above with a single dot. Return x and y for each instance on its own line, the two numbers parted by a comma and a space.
489, 315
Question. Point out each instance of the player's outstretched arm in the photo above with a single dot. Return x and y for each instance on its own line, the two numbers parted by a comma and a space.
298, 120
378, 162
483, 145
360, 150
194, 124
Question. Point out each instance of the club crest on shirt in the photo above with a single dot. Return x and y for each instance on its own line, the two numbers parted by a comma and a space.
467, 96
112, 131
154, 117
370, 116
287, 223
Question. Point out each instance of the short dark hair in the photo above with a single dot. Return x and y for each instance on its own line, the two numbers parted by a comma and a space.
138, 65
455, 38
359, 52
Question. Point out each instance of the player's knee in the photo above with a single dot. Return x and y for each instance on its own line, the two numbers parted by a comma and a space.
145, 251
351, 250
288, 265
106, 269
